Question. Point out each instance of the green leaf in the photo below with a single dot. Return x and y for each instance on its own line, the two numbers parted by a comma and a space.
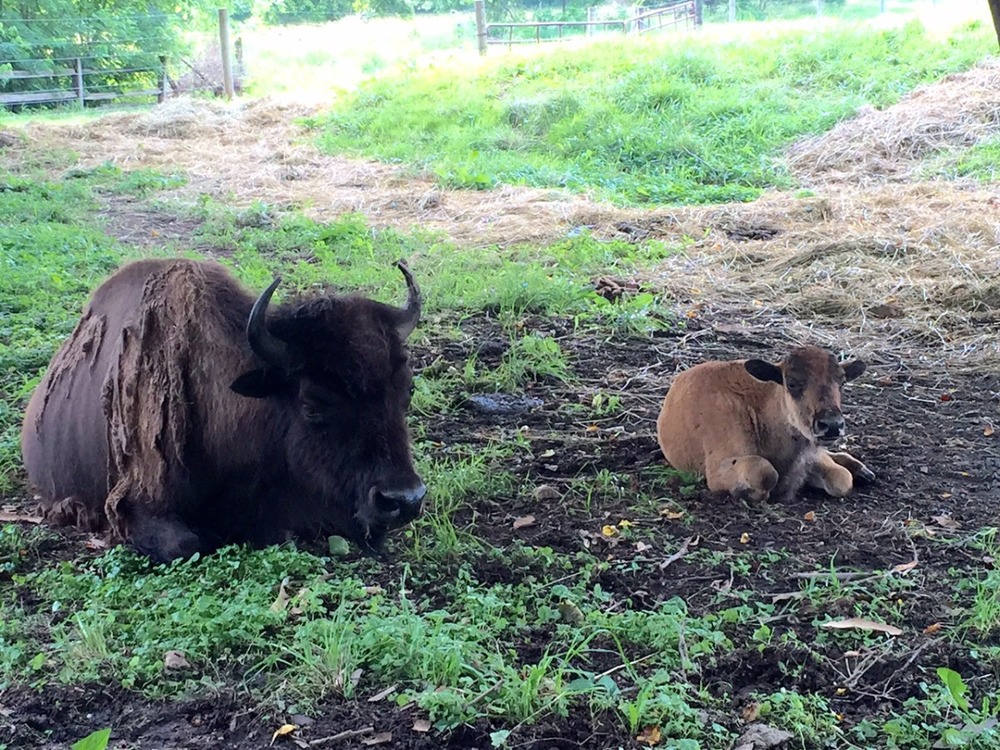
499, 737
956, 687
338, 546
94, 741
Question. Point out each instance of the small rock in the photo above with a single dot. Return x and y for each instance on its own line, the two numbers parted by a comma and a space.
175, 661
762, 737
546, 492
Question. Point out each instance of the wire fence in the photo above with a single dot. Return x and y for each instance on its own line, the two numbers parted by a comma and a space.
46, 60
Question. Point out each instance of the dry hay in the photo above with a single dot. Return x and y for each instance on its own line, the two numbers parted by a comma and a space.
884, 145
896, 273
892, 271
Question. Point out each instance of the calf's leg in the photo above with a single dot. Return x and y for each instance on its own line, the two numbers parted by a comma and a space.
858, 470
744, 477
828, 475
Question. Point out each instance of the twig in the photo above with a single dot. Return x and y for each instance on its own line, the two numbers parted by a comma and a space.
678, 554
346, 735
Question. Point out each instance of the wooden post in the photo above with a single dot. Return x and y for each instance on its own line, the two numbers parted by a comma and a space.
238, 51
481, 25
591, 15
78, 81
699, 13
227, 65
995, 11
164, 81
732, 11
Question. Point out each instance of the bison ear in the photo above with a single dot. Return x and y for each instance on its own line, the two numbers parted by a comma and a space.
260, 383
853, 369
764, 371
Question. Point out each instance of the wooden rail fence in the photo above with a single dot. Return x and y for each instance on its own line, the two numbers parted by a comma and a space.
686, 13
69, 83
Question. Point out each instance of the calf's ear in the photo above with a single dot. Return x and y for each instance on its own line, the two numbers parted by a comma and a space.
260, 383
764, 371
853, 369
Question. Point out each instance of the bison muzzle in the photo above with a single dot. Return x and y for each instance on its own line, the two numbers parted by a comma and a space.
183, 414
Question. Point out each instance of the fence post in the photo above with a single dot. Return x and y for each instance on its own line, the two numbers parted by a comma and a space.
227, 67
732, 11
238, 51
819, 7
481, 26
78, 81
699, 13
881, 6
591, 14
164, 81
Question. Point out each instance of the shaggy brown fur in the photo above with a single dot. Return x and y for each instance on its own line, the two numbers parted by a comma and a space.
139, 422
755, 429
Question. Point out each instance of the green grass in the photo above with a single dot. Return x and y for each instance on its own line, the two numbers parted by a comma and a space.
500, 636
646, 122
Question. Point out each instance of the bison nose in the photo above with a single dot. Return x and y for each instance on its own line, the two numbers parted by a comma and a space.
403, 504
829, 426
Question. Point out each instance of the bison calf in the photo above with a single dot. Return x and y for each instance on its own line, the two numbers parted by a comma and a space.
184, 414
757, 430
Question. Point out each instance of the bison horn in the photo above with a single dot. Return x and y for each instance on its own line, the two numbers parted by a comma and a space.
410, 313
272, 350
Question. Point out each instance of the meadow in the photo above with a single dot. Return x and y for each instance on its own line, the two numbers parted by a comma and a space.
565, 588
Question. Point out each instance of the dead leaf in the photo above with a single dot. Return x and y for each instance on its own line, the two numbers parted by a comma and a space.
608, 530
282, 601
946, 521
382, 694
175, 661
282, 731
946, 397
750, 712
381, 738
96, 542
932, 628
904, 567
745, 537
545, 492
859, 623
375, 590
672, 515
988, 430
547, 454
592, 428
421, 725
649, 736
641, 547
7, 517
810, 516
762, 737
625, 524
522, 521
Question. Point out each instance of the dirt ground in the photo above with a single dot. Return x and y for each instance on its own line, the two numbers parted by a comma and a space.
898, 271
922, 434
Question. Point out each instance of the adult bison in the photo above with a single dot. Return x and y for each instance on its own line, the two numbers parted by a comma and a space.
185, 415
759, 430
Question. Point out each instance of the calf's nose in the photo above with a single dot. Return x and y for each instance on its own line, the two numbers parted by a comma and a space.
829, 425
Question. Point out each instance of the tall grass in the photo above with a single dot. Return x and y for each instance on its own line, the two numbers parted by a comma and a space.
646, 122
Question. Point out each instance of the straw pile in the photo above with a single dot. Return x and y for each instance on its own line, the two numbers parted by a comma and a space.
888, 145
877, 263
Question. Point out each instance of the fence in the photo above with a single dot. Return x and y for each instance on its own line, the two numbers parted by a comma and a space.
686, 13
74, 86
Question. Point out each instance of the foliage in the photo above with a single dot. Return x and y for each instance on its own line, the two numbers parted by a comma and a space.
119, 43
645, 123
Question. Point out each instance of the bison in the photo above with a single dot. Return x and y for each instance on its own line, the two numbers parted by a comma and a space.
184, 415
758, 430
